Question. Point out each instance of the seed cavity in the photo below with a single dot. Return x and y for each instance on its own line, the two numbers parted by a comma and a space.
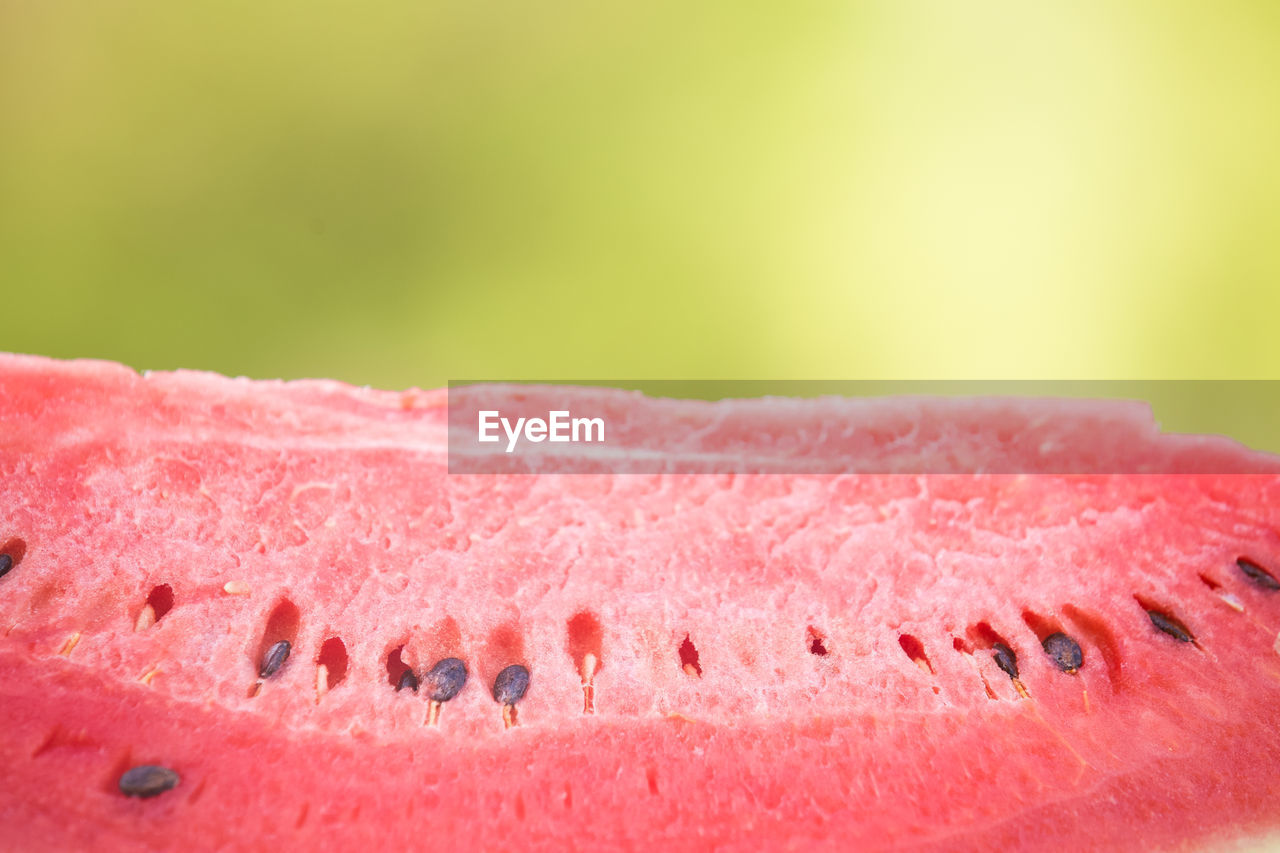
148, 780
396, 667
278, 638
963, 647
1230, 600
1064, 651
816, 641
586, 642
274, 659
159, 603
1040, 626
331, 665
983, 636
915, 650
1260, 576
689, 658
508, 689
1094, 629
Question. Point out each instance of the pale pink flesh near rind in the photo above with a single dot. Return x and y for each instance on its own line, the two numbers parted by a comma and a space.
831, 435
338, 500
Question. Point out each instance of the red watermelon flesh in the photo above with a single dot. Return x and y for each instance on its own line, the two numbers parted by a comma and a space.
783, 661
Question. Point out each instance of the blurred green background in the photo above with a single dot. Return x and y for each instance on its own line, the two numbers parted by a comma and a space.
403, 193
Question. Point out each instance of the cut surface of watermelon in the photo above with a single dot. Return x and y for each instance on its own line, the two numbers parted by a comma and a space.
737, 662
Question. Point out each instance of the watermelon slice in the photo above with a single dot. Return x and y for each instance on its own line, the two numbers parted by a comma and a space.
254, 615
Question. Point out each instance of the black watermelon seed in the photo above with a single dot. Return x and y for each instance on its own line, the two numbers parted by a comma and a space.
1064, 651
511, 684
1005, 659
446, 679
1257, 574
6, 563
274, 659
147, 780
408, 681
1170, 626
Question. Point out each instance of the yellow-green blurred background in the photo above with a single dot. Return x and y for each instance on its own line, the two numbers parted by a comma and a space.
400, 193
